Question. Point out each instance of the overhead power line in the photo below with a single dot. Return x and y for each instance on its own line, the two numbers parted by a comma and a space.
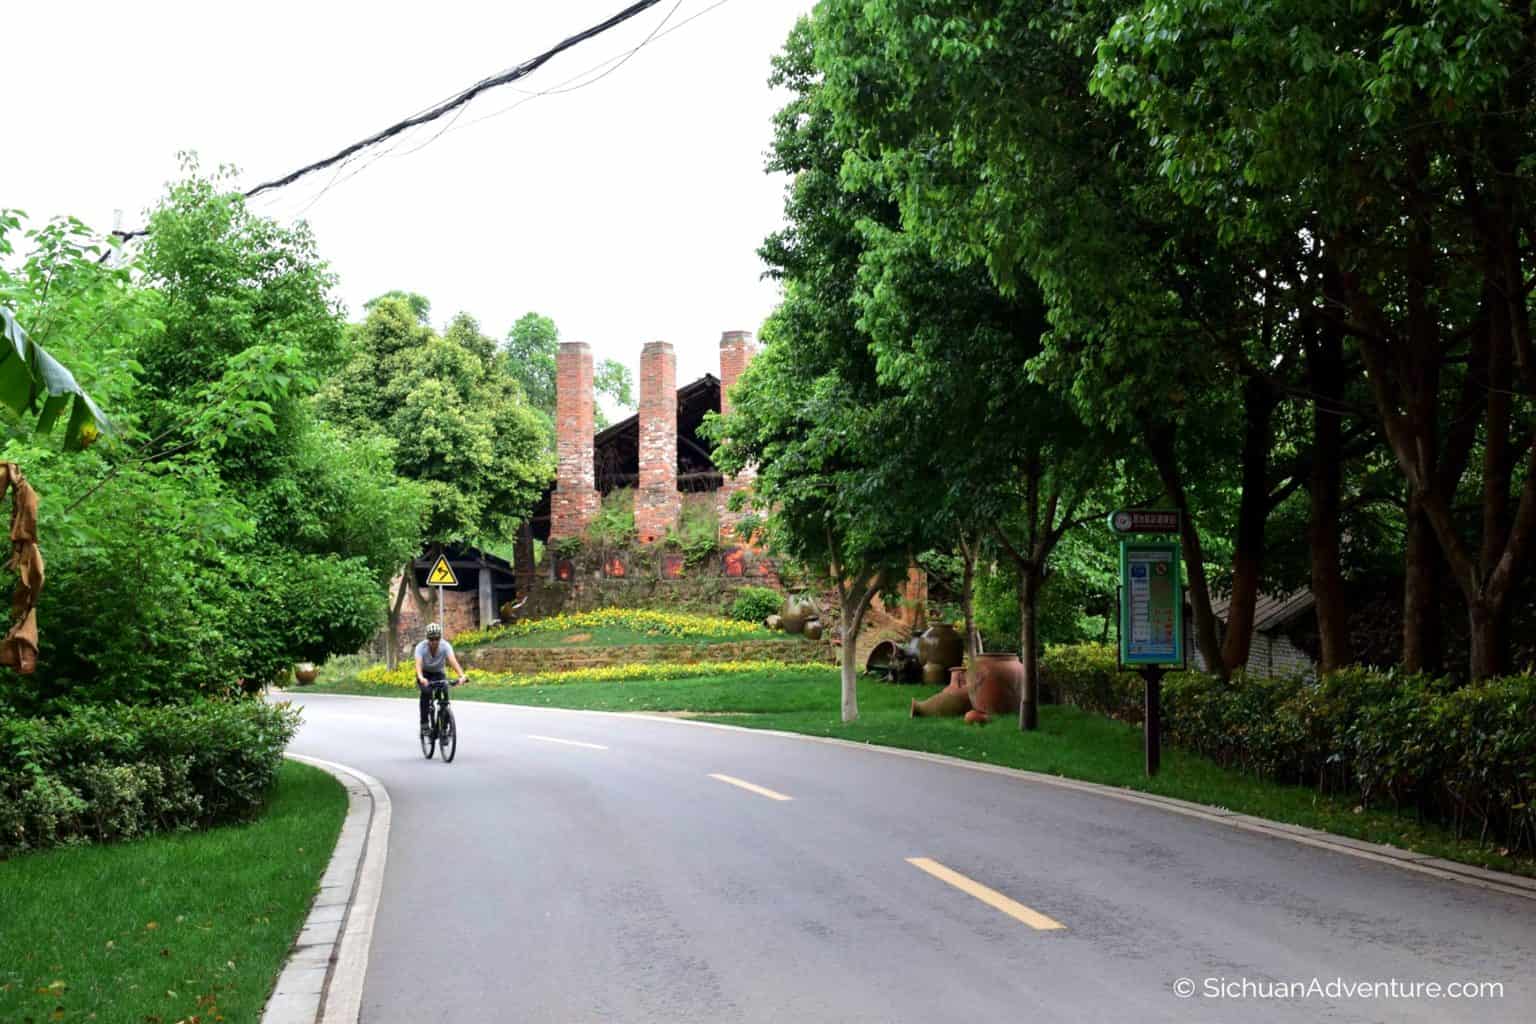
454, 102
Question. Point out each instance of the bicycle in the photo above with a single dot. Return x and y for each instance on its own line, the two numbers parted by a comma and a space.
442, 732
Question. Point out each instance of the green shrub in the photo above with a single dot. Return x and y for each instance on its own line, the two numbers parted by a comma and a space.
696, 534
115, 772
1085, 675
614, 524
754, 604
1464, 755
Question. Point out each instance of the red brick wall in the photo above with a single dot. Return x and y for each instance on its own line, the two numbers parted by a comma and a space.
461, 611
913, 612
575, 500
656, 499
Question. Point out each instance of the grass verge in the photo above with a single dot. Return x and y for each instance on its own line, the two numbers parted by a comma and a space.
1070, 743
185, 927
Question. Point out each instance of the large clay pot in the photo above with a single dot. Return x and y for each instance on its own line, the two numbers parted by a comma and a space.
957, 679
813, 629
996, 681
946, 703
941, 645
305, 673
798, 610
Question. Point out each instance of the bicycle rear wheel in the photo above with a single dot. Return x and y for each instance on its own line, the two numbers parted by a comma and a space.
448, 735
428, 742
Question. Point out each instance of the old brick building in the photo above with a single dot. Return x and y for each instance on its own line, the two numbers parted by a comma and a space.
658, 451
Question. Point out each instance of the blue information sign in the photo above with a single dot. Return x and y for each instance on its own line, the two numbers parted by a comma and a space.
1151, 604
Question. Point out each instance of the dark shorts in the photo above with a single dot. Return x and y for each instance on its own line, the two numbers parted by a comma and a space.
426, 694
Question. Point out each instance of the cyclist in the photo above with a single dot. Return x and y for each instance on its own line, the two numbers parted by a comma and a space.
432, 654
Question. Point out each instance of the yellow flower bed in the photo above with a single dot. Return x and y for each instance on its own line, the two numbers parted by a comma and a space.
679, 625
647, 670
405, 676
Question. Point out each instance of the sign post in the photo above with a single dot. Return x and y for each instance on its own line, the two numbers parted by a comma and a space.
1151, 610
441, 576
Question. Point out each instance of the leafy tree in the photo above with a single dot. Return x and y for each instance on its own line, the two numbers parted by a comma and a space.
925, 337
459, 426
529, 355
821, 457
455, 421
1392, 143
981, 123
419, 304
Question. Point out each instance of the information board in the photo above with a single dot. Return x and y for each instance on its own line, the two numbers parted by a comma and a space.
1151, 604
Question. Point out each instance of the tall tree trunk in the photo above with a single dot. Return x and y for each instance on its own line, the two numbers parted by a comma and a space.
968, 550
1423, 639
1160, 442
1029, 646
1253, 511
850, 676
854, 599
407, 582
1325, 359
1487, 652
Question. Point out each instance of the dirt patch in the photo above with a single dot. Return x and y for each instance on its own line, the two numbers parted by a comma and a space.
577, 638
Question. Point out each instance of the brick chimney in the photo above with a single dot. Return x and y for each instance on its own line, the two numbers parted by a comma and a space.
657, 501
736, 351
575, 501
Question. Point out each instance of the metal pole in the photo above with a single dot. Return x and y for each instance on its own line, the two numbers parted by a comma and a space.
439, 606
1154, 717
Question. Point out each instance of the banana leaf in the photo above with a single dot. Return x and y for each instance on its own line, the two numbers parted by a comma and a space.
31, 380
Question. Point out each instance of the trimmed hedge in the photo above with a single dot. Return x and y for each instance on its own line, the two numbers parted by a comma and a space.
116, 772
1463, 755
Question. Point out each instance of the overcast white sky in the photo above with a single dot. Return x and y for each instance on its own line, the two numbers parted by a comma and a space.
628, 210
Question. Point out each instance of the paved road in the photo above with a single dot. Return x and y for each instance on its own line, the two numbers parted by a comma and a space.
536, 880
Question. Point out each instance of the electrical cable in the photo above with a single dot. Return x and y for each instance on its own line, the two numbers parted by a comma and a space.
454, 102
337, 179
561, 89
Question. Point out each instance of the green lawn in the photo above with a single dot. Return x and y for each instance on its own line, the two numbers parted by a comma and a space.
1070, 743
193, 926
624, 636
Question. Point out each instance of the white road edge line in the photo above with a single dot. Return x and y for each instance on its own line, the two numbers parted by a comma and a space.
569, 743
749, 787
322, 983
1447, 870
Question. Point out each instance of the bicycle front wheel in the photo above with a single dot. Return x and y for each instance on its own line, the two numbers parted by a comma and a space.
447, 735
428, 742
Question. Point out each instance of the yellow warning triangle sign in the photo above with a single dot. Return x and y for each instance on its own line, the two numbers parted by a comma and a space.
442, 574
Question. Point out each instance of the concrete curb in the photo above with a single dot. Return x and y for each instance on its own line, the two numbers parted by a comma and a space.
322, 983
1448, 870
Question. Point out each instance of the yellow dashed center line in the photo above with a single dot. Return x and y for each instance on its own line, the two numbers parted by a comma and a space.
991, 897
759, 790
569, 743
